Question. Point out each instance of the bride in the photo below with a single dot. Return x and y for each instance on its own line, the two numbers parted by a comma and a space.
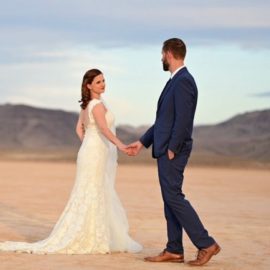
93, 220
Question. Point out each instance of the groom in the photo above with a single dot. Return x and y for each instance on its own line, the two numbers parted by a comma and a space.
170, 137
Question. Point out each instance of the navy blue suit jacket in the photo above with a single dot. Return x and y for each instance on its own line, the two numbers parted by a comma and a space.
174, 117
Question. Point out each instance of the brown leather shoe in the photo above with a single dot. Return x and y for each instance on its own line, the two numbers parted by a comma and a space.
205, 254
166, 256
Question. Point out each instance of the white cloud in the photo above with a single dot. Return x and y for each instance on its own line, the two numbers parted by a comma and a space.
46, 46
54, 25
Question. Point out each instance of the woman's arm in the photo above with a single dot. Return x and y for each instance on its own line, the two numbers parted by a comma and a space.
80, 127
99, 112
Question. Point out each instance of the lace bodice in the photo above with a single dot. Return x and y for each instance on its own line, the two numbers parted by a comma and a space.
88, 117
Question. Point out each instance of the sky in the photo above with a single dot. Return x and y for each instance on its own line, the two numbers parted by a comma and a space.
47, 46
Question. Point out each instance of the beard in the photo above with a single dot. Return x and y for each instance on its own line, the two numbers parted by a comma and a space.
165, 65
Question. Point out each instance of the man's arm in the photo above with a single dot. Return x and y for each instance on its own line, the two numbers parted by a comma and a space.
148, 137
184, 98
146, 140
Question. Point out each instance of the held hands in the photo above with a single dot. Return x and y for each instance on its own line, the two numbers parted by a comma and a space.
133, 149
123, 148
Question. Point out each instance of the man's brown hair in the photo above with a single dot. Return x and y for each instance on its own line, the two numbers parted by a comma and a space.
176, 46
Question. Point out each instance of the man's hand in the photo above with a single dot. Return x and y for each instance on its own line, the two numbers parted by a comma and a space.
170, 154
134, 148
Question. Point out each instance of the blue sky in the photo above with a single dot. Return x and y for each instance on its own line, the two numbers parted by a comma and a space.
46, 46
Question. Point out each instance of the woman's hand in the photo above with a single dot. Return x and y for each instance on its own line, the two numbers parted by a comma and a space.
122, 147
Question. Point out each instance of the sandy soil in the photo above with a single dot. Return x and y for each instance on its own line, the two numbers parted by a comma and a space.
232, 203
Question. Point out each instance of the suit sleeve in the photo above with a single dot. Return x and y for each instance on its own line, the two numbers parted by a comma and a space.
184, 99
148, 137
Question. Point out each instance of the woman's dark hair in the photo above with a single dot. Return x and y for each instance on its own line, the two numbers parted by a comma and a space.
88, 78
176, 46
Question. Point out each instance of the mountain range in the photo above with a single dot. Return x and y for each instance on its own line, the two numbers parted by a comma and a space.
26, 129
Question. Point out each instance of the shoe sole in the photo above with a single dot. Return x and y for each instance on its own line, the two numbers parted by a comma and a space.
217, 251
172, 260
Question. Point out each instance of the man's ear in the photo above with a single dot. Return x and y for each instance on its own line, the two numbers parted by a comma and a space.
169, 54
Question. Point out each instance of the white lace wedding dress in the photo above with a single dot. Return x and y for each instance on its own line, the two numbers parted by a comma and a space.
93, 220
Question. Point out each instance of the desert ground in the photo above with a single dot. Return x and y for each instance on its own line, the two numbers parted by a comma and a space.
233, 203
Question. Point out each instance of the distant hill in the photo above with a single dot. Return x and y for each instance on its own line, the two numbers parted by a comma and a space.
27, 129
246, 135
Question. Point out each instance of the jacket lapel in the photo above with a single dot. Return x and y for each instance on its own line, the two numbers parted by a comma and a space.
168, 86
164, 91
